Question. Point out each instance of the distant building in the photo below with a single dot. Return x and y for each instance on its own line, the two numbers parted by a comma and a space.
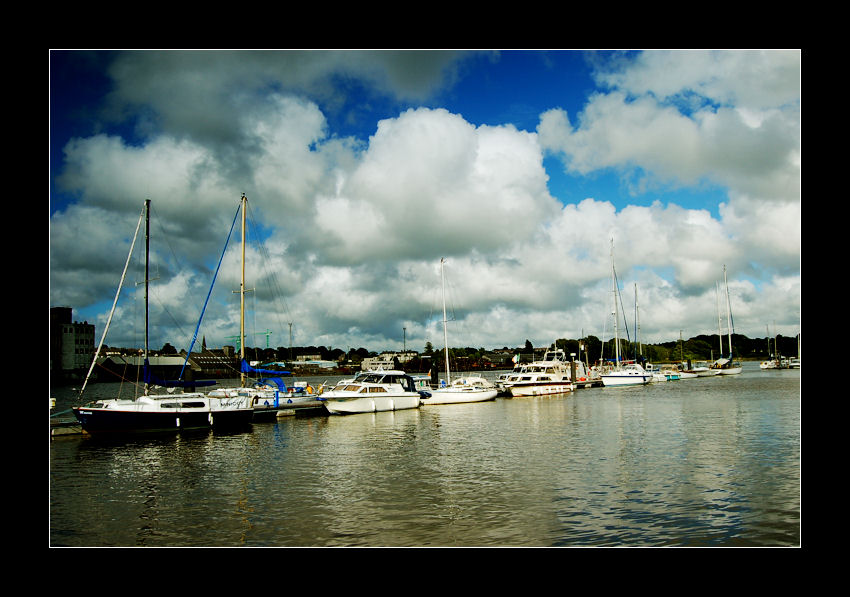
71, 344
214, 363
316, 363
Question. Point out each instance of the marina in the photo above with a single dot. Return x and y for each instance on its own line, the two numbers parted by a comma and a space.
712, 461
412, 336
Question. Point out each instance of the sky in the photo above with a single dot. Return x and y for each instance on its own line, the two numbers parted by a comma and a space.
528, 172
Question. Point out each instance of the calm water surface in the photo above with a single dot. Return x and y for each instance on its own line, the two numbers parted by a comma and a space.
702, 462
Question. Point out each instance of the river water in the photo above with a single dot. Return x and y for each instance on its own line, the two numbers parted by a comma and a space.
702, 462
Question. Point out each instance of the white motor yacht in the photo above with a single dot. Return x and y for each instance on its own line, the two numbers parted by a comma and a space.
372, 391
552, 375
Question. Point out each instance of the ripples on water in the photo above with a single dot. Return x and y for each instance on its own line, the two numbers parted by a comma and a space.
706, 462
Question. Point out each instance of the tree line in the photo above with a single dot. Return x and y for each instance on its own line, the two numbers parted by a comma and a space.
698, 348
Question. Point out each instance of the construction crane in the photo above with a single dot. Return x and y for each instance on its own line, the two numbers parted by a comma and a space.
267, 333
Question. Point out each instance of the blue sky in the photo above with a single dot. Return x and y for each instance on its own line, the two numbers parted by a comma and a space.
519, 167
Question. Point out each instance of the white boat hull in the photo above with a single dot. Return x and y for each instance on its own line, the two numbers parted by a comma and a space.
726, 367
631, 379
341, 405
453, 396
702, 372
541, 389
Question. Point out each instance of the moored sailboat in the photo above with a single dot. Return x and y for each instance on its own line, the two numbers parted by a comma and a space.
461, 390
725, 365
269, 390
158, 412
622, 374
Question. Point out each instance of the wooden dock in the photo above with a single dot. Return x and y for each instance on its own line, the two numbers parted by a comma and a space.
312, 408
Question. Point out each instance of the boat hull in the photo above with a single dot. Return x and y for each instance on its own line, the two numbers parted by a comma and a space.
730, 371
102, 420
459, 396
626, 380
343, 405
543, 389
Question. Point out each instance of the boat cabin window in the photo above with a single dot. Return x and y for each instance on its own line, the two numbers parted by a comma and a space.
182, 405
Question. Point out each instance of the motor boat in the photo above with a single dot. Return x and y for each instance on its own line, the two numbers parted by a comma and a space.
552, 375
373, 391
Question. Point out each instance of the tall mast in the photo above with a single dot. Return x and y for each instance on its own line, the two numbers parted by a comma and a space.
637, 324
242, 298
728, 311
616, 312
717, 307
776, 354
147, 259
767, 327
445, 321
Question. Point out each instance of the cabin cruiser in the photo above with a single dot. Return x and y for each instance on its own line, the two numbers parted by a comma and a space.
552, 375
372, 391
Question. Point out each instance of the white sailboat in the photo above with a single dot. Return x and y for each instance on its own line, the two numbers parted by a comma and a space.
622, 374
723, 365
464, 389
157, 412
